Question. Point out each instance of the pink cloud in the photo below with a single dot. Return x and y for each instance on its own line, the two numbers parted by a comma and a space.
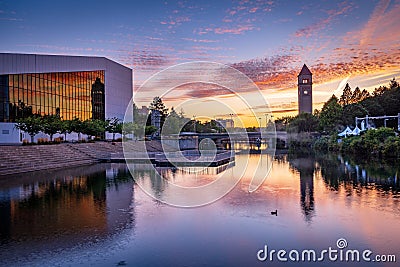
200, 40
237, 30
321, 24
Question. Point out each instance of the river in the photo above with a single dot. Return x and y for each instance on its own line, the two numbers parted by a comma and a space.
97, 215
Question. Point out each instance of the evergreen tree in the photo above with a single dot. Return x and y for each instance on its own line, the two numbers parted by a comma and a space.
347, 95
379, 91
356, 96
158, 105
364, 95
393, 84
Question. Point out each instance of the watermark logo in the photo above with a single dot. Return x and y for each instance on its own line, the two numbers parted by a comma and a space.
340, 253
204, 90
341, 243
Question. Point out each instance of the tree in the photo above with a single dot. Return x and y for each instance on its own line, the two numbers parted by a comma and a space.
372, 106
351, 111
77, 126
131, 127
174, 123
94, 127
65, 128
379, 91
331, 115
114, 126
304, 122
356, 96
282, 123
347, 95
393, 84
364, 95
51, 124
31, 125
149, 130
158, 105
138, 118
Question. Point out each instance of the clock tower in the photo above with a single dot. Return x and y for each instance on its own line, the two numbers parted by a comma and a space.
305, 90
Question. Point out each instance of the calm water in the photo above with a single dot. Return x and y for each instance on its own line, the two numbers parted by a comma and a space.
96, 215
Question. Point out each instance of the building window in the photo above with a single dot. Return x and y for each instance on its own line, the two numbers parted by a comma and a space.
5, 132
68, 94
305, 81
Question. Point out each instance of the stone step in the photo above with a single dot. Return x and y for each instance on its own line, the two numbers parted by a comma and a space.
46, 167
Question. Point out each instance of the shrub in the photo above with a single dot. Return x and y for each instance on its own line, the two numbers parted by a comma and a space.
391, 147
322, 144
375, 143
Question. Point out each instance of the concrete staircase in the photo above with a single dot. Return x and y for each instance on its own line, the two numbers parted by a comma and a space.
20, 159
98, 150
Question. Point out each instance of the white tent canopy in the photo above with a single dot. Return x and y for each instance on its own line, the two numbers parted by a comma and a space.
356, 131
346, 132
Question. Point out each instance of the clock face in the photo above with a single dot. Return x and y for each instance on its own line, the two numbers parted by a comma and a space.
305, 92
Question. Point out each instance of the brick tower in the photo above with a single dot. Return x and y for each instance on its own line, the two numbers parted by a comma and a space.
305, 90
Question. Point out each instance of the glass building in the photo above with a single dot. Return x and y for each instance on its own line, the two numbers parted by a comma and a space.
69, 86
68, 94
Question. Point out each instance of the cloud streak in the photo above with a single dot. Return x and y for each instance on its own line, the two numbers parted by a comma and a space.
322, 23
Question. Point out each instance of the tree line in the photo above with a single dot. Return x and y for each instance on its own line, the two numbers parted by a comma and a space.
337, 113
172, 122
53, 124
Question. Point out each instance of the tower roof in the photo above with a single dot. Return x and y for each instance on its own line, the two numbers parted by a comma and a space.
305, 71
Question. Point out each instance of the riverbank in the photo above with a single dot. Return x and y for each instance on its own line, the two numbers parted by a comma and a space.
375, 144
22, 159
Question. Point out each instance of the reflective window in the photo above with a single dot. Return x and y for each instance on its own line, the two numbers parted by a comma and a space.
70, 94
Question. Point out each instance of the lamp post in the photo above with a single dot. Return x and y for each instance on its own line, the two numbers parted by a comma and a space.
268, 118
194, 125
231, 114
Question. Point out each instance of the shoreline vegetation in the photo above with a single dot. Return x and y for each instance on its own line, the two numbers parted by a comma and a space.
318, 132
306, 131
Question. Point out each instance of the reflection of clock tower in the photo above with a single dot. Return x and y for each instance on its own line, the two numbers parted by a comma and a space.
98, 100
305, 90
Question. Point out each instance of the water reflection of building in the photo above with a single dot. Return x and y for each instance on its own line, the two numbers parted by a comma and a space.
305, 166
71, 207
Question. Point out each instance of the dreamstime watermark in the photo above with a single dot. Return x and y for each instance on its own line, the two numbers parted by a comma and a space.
340, 253
203, 90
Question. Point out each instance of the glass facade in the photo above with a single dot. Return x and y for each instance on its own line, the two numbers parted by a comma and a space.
69, 94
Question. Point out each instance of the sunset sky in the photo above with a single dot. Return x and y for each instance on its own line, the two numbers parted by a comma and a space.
353, 41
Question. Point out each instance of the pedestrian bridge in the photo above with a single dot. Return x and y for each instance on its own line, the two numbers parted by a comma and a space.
221, 139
